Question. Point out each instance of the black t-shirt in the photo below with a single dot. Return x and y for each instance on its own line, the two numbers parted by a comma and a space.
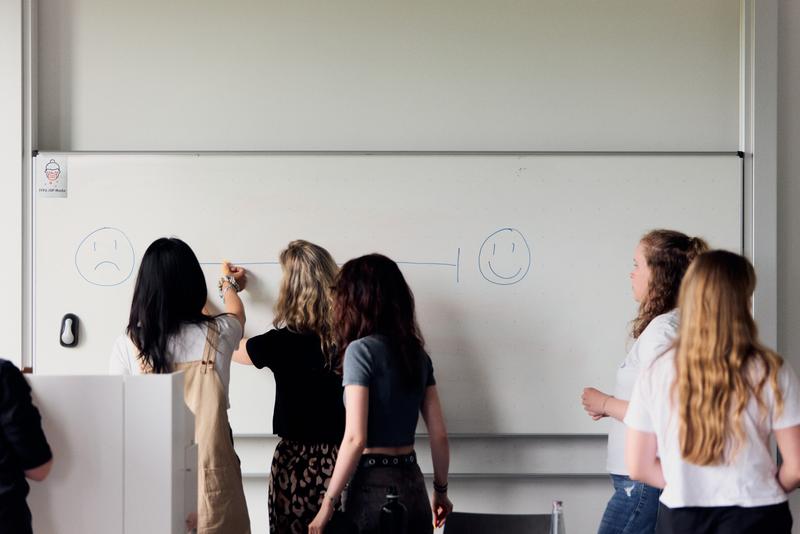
22, 447
308, 395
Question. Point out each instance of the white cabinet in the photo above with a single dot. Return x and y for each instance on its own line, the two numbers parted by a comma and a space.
124, 458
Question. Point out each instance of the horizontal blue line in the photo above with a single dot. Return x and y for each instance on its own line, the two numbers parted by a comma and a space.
241, 263
425, 263
433, 263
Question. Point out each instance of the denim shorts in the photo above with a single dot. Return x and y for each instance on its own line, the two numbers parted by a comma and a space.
632, 509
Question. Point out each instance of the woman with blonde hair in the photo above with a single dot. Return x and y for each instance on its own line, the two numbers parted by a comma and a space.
700, 417
309, 413
659, 263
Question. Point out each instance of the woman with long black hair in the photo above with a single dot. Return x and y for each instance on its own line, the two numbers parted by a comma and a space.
388, 379
169, 330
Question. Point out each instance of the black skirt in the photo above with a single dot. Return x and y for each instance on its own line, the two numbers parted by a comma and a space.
773, 519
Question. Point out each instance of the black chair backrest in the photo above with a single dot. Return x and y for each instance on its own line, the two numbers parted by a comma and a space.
468, 523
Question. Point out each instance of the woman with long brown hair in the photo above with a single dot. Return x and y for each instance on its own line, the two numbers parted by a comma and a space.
388, 379
659, 263
309, 414
700, 418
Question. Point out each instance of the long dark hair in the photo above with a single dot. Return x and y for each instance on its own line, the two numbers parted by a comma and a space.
170, 291
372, 297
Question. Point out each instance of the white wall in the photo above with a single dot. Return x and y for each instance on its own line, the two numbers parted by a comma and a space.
11, 179
409, 75
789, 190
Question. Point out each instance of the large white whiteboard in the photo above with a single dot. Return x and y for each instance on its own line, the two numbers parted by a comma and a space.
509, 357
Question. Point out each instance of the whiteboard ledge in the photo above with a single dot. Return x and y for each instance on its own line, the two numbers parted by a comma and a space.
691, 153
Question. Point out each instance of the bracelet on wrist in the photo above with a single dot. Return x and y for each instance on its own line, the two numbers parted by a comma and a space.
232, 283
334, 500
605, 401
439, 488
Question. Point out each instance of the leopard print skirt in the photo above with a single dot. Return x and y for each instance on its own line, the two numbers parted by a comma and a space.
300, 475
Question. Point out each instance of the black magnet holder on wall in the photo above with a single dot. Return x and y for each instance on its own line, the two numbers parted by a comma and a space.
68, 335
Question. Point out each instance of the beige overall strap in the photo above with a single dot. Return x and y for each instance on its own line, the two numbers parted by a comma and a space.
210, 350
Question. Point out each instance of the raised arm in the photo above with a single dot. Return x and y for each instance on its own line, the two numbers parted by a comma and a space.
233, 303
355, 439
240, 355
440, 454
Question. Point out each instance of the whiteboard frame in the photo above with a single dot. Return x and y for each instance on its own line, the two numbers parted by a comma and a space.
757, 134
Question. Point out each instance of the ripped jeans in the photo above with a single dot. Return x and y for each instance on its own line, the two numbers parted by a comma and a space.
632, 509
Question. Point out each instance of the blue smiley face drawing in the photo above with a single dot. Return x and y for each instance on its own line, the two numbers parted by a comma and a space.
105, 257
505, 257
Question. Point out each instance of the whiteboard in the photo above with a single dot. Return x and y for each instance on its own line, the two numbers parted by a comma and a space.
519, 263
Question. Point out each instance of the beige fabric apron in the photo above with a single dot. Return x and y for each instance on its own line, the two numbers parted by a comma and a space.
221, 505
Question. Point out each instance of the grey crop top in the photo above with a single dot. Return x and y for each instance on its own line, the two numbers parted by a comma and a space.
393, 407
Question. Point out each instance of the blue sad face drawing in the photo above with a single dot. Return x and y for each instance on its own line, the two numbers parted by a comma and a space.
105, 257
505, 257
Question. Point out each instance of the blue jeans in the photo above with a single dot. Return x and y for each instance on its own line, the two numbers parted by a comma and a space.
632, 509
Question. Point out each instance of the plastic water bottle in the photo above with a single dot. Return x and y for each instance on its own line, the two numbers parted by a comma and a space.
393, 515
557, 518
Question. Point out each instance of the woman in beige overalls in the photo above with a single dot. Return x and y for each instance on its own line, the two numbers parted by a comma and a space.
169, 331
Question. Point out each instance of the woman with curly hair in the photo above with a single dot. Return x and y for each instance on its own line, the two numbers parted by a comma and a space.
388, 380
701, 417
659, 262
309, 414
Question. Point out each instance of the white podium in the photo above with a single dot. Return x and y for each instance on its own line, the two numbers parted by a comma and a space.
124, 455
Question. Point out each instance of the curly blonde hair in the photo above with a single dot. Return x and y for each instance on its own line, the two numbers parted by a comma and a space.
720, 362
668, 254
304, 300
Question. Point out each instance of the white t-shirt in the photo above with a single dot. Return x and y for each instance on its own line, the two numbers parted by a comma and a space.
188, 345
750, 477
654, 341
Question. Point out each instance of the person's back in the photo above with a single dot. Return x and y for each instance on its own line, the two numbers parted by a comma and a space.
701, 417
169, 330
388, 380
394, 405
308, 406
24, 451
309, 413
748, 476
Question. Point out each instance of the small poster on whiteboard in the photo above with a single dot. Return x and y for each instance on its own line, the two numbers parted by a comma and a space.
51, 175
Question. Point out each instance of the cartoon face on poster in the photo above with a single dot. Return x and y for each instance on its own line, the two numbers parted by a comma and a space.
51, 175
